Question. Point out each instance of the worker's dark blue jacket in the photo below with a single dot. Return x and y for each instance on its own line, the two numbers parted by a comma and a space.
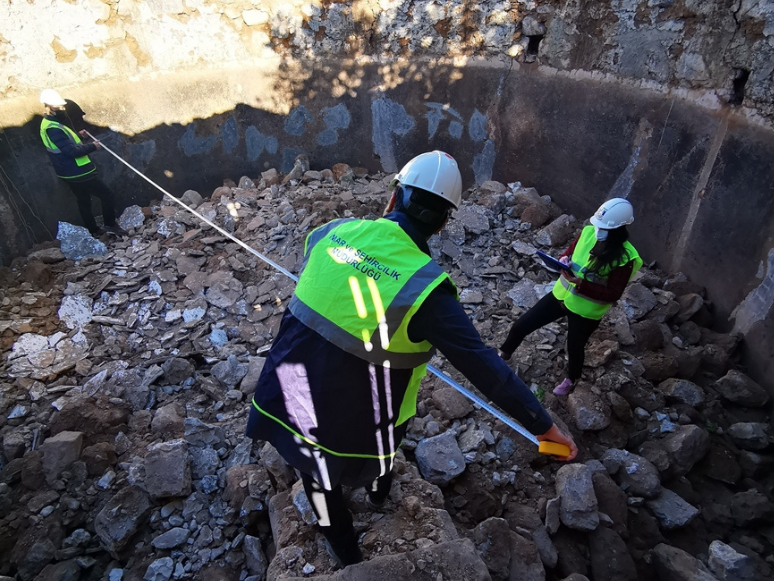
342, 386
66, 151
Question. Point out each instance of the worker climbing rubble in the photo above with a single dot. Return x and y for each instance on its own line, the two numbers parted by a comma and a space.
341, 379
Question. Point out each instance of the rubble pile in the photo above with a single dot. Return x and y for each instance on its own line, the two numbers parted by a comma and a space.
128, 367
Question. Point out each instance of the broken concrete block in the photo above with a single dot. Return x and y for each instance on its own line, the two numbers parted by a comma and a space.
59, 452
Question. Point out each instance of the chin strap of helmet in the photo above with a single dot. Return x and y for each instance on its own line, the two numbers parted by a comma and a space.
424, 215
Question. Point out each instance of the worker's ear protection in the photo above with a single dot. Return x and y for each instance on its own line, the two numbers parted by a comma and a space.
417, 211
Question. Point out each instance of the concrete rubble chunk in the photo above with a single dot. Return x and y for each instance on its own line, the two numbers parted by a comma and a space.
192, 199
440, 459
671, 510
578, 509
473, 218
77, 243
525, 559
737, 388
750, 507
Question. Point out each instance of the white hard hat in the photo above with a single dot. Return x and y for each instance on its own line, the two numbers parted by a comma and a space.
614, 213
435, 172
51, 97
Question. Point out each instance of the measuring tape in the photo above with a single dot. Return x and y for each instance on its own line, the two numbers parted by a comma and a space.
544, 447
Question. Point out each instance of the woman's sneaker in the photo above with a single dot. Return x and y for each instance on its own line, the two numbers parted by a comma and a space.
564, 388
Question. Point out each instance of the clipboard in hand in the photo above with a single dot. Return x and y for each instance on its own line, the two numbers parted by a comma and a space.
551, 262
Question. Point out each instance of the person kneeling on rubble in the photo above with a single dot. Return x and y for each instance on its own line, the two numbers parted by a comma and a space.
602, 262
340, 381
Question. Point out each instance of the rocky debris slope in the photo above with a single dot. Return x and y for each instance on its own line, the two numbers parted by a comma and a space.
128, 368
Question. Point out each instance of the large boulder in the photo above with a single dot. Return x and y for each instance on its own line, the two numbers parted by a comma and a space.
737, 388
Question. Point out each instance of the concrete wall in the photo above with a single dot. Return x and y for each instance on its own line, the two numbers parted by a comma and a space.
582, 100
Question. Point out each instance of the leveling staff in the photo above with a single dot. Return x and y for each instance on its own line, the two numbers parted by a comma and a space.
341, 379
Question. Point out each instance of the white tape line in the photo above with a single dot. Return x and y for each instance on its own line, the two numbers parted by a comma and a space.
438, 373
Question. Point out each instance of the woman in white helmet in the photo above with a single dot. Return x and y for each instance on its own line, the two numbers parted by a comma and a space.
601, 262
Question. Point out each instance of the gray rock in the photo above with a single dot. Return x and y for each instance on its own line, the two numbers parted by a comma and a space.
167, 420
750, 507
255, 560
683, 391
575, 487
440, 459
47, 255
131, 218
556, 233
177, 370
192, 199
77, 243
470, 439
525, 560
677, 565
229, 372
171, 539
451, 403
59, 452
686, 447
276, 464
250, 380
224, 290
729, 565
690, 304
302, 504
473, 218
167, 471
671, 510
160, 570
589, 412
548, 553
610, 559
492, 540
736, 387
204, 462
121, 518
634, 473
62, 571
526, 293
637, 301
612, 501
202, 435
749, 435
553, 518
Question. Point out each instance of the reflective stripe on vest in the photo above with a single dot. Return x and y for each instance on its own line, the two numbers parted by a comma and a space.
52, 148
567, 292
384, 277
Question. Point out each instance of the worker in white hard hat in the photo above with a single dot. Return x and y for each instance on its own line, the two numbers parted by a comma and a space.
70, 157
341, 379
601, 262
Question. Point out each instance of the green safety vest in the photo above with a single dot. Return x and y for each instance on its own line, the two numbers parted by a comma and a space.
567, 292
361, 283
52, 148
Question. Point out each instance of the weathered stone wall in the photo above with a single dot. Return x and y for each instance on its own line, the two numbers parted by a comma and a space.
666, 101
